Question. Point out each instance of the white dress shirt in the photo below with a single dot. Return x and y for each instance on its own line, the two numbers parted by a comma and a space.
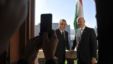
79, 34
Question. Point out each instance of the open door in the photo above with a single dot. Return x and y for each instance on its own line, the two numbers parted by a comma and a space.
21, 36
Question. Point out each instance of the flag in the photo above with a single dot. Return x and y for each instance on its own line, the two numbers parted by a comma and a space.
79, 13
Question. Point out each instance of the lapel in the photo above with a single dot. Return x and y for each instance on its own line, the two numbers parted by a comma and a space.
84, 33
59, 33
62, 35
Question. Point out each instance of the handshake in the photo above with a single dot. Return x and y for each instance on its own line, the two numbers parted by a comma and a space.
71, 54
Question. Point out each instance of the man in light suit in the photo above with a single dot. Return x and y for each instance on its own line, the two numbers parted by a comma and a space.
63, 43
85, 43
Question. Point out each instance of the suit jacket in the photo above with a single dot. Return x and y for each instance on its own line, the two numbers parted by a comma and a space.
87, 46
62, 44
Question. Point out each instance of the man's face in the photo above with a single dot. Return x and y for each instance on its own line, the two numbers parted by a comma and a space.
63, 25
81, 22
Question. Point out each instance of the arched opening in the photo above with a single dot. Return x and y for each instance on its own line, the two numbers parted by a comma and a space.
66, 10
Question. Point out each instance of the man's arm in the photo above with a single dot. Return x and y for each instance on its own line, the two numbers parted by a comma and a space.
74, 43
93, 43
67, 41
93, 46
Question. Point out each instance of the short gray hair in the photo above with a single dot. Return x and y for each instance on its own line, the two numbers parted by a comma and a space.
79, 18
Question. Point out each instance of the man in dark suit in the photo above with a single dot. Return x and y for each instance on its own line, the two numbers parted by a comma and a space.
86, 43
63, 43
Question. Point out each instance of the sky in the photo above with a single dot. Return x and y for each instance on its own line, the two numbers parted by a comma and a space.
65, 9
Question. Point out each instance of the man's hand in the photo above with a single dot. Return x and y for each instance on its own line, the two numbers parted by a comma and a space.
93, 61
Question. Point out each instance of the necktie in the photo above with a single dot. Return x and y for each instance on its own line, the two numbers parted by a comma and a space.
63, 34
79, 34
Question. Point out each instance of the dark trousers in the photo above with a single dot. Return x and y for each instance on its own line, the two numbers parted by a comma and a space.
70, 61
51, 61
61, 61
81, 62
